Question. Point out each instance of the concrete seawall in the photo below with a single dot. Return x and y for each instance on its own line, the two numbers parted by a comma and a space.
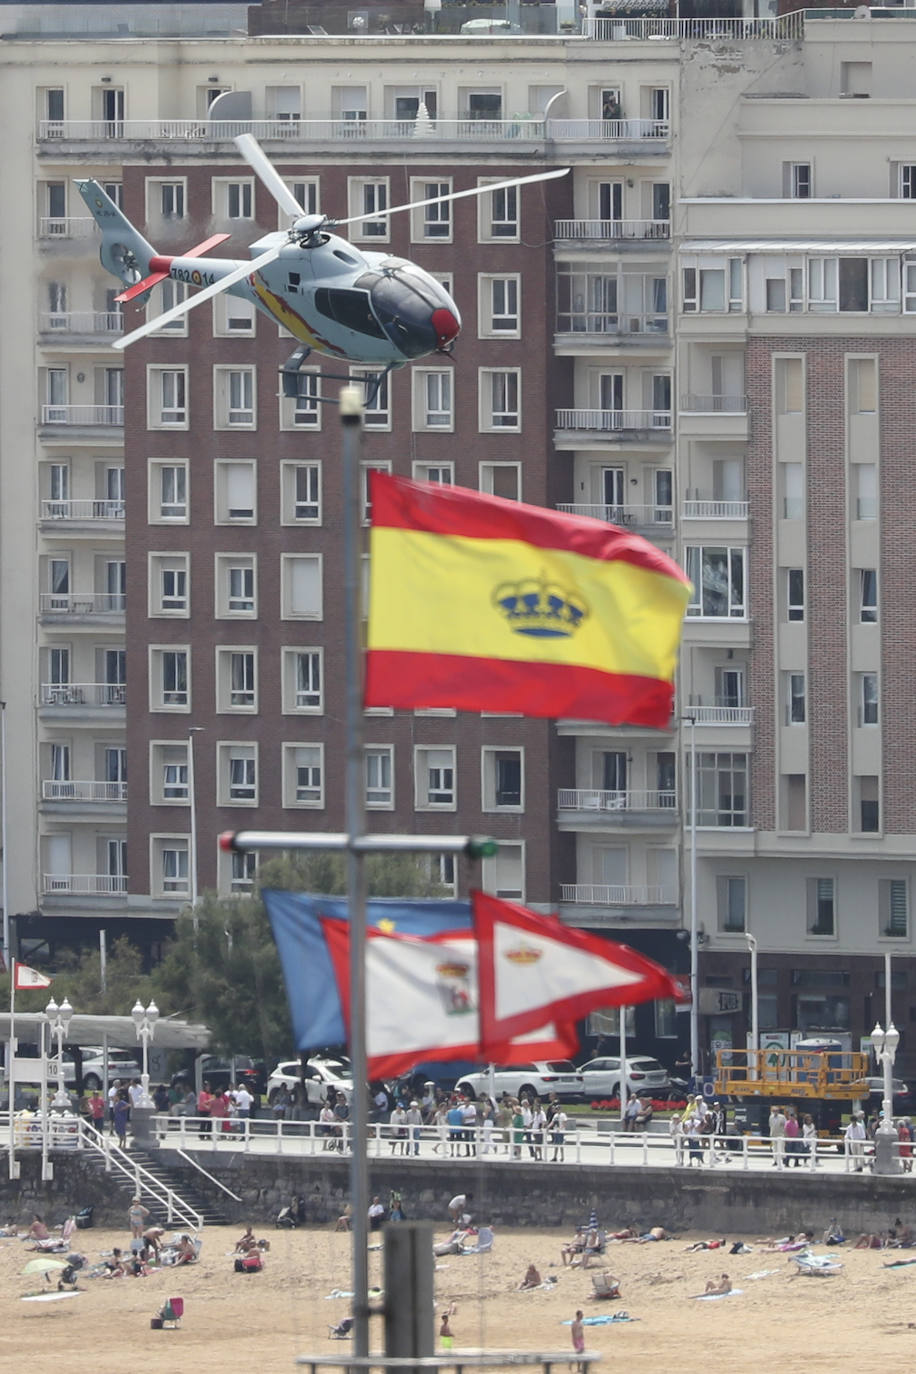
527, 1194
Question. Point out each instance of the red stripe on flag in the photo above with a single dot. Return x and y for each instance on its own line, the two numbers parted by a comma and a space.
398, 503
399, 678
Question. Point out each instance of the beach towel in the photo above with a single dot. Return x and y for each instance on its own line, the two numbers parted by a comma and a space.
764, 1273
711, 1297
608, 1319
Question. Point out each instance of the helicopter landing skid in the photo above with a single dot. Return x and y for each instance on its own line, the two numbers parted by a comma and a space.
372, 381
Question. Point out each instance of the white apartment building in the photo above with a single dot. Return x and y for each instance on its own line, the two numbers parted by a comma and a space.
672, 336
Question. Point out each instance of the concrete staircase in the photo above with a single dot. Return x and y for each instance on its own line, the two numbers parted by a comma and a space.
168, 1178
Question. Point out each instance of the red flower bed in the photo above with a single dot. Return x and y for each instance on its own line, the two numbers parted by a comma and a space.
659, 1104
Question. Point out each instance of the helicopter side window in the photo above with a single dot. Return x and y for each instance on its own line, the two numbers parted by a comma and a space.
292, 282
349, 308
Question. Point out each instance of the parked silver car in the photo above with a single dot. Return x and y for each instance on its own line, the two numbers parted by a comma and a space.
601, 1077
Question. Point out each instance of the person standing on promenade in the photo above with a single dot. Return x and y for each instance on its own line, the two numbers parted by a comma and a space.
778, 1136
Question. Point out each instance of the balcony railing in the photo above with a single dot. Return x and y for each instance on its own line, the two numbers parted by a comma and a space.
82, 603
603, 894
699, 404
84, 884
600, 322
305, 131
700, 30
82, 415
102, 509
609, 421
715, 510
610, 230
83, 694
721, 715
599, 799
80, 321
66, 227
54, 790
621, 515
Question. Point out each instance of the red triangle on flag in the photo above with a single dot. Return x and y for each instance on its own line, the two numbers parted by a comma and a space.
534, 969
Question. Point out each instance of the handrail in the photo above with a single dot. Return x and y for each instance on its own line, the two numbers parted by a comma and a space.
200, 1168
141, 1178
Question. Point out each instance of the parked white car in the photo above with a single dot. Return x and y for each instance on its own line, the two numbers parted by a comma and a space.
601, 1077
319, 1076
539, 1079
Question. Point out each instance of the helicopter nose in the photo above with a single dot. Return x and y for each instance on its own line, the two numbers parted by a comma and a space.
446, 326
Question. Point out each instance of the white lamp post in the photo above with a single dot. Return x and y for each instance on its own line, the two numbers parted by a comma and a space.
885, 1042
145, 1019
58, 1018
755, 1005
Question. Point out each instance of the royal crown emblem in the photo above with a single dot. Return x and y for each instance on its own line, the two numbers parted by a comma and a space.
523, 954
542, 609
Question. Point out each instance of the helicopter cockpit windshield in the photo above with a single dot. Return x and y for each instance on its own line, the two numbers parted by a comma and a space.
351, 308
408, 303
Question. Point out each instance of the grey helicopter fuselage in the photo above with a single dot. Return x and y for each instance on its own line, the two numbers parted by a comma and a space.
356, 306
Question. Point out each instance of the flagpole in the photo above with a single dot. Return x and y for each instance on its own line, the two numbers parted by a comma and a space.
351, 417
11, 1067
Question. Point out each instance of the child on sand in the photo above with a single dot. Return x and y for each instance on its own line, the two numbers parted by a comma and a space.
577, 1332
446, 1335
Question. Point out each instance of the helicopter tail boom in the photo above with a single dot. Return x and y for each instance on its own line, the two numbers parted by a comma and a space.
125, 253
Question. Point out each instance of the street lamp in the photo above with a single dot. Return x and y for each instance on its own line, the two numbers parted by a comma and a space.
145, 1019
885, 1042
755, 1004
58, 1019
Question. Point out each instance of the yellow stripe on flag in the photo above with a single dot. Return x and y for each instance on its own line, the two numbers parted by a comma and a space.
435, 594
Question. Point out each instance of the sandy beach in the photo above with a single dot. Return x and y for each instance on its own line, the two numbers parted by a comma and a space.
262, 1321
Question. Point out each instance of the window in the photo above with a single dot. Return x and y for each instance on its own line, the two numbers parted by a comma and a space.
794, 698
498, 306
731, 905
867, 692
236, 585
377, 413
893, 908
234, 492
379, 776
234, 397
233, 199
434, 771
797, 180
500, 400
866, 804
431, 221
167, 406
714, 289
302, 411
301, 493
717, 575
665, 1012
364, 472
369, 197
168, 492
307, 193
303, 673
441, 870
169, 866
821, 896
169, 679
504, 873
168, 584
722, 789
432, 399
303, 775
789, 385
243, 869
862, 386
168, 774
443, 473
793, 491
906, 183
868, 596
236, 680
497, 214
865, 485
883, 286
238, 774
501, 479
301, 586
822, 284
51, 110
166, 199
502, 780
854, 280
233, 315
795, 594
484, 105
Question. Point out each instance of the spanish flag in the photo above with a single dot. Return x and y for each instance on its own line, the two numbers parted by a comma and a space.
483, 604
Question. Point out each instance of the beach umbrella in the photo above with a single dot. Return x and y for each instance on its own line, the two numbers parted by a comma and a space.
43, 1265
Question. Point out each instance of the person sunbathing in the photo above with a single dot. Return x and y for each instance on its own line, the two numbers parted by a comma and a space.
653, 1233
869, 1240
532, 1278
453, 1245
245, 1242
38, 1230
722, 1284
114, 1267
187, 1254
706, 1245
594, 1245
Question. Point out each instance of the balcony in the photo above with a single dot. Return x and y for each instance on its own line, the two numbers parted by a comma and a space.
54, 790
84, 416
616, 135
716, 416
597, 808
75, 605
613, 232
659, 518
583, 330
595, 904
64, 228
715, 510
83, 694
626, 425
61, 326
83, 512
720, 715
83, 884
615, 30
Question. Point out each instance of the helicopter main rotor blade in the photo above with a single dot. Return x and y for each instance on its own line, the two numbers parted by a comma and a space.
455, 195
258, 161
199, 297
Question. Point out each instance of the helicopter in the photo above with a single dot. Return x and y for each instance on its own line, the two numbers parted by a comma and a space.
337, 300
